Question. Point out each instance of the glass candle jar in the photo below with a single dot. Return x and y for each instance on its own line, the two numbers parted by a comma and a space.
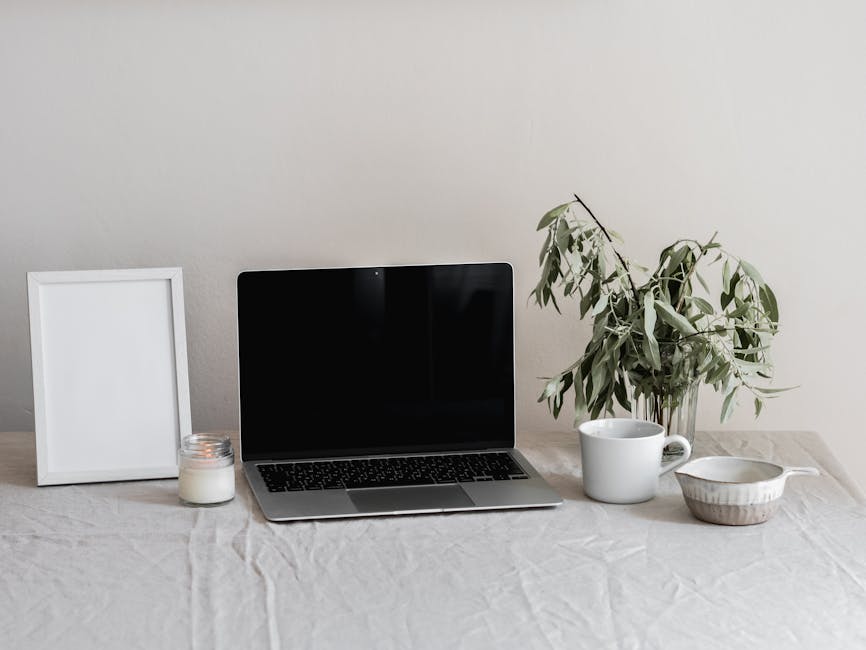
206, 470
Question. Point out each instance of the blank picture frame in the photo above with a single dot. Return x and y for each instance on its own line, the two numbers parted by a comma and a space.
110, 378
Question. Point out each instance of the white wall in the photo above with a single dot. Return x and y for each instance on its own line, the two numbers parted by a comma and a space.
222, 135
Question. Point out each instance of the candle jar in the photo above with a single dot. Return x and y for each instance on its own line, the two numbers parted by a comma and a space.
206, 470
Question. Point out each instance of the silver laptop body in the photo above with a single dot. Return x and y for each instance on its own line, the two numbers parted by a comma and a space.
381, 391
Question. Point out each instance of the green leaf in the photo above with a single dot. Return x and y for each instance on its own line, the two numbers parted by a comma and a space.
599, 381
649, 314
728, 295
665, 253
758, 406
674, 319
600, 305
771, 391
544, 249
651, 351
708, 361
702, 304
750, 366
676, 259
550, 389
585, 303
566, 379
726, 278
752, 272
650, 344
563, 237
621, 394
579, 399
768, 301
608, 398
742, 309
728, 405
720, 371
553, 300
701, 280
545, 274
553, 215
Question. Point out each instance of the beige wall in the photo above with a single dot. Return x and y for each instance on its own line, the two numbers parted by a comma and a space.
224, 135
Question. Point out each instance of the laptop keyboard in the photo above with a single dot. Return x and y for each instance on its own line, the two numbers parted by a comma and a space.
388, 472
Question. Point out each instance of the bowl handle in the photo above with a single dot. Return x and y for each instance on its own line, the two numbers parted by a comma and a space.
808, 471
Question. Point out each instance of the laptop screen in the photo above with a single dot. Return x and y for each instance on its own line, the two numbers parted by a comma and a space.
341, 362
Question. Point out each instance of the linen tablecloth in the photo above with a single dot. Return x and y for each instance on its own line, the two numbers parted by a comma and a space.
123, 565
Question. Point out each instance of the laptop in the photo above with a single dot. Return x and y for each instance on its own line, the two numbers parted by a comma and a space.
381, 391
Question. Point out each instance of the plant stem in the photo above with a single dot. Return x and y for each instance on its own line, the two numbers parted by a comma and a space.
714, 331
615, 252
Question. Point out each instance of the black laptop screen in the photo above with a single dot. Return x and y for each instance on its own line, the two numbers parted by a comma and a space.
376, 360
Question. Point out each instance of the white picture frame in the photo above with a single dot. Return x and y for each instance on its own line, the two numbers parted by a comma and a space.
110, 377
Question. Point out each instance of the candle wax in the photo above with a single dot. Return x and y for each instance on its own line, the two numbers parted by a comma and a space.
210, 485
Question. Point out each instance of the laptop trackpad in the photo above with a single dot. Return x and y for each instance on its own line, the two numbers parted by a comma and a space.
422, 497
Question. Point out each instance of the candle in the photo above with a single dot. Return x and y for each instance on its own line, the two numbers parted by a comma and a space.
206, 472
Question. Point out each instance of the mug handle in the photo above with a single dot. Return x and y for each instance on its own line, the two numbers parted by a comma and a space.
687, 452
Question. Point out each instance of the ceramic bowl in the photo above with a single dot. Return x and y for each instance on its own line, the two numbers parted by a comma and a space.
734, 491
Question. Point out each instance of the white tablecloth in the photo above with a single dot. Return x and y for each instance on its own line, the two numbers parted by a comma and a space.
123, 565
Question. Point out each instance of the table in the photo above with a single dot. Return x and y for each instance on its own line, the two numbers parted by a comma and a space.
123, 565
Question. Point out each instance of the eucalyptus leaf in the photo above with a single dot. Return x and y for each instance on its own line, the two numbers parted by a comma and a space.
544, 248
585, 304
702, 304
772, 391
676, 259
768, 301
563, 236
741, 310
651, 350
674, 319
702, 281
622, 394
553, 300
649, 314
728, 405
601, 305
752, 272
553, 215
551, 388
599, 380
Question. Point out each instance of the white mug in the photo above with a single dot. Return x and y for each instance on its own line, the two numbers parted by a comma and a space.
622, 457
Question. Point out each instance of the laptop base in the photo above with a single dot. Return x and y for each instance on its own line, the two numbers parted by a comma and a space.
421, 499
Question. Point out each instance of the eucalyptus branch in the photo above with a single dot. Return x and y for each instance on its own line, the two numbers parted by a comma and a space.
720, 330
612, 247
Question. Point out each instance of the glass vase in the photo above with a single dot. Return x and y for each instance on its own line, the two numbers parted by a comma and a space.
676, 413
